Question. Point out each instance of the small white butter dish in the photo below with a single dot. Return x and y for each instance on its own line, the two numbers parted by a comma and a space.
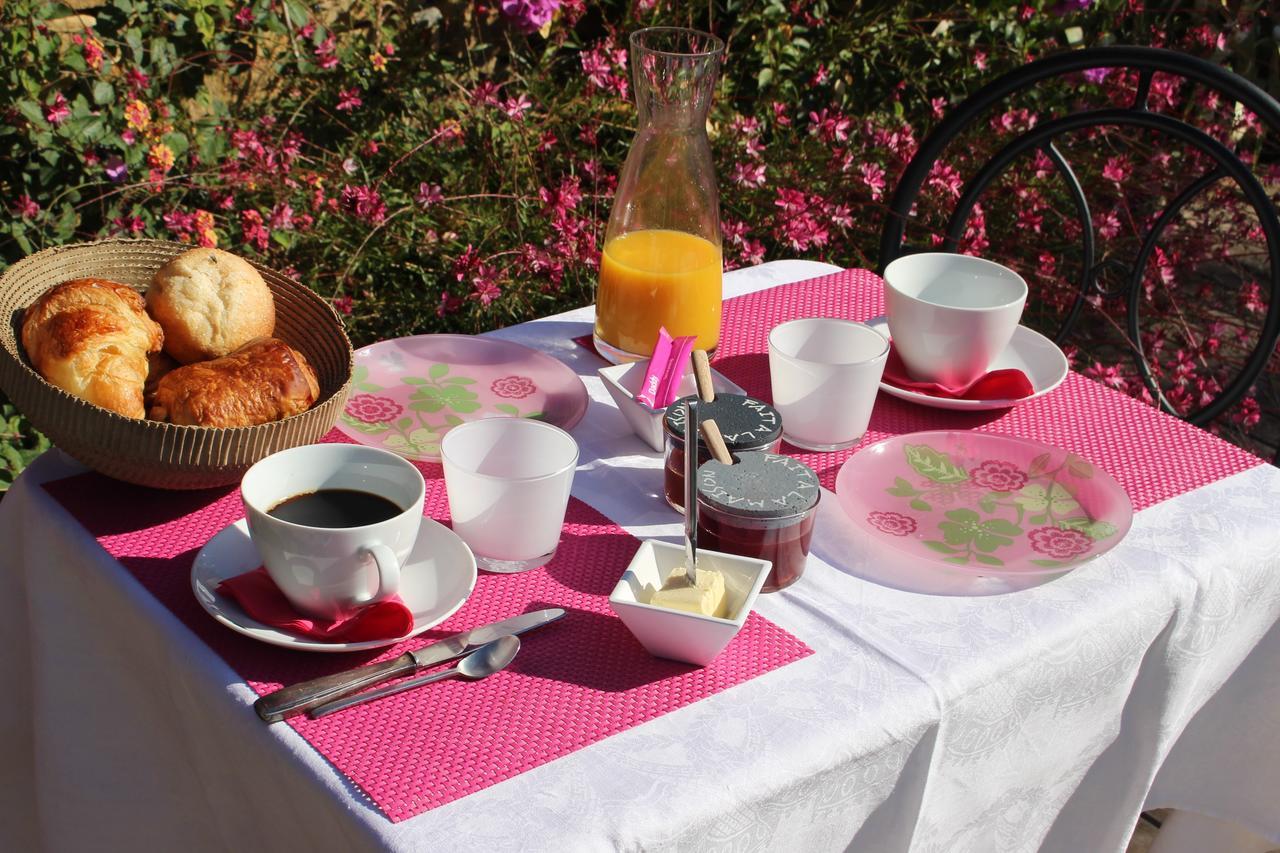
623, 382
676, 634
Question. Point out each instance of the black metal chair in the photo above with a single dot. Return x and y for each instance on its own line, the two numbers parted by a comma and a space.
1098, 270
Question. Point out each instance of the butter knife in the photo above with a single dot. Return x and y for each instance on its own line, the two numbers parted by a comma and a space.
299, 698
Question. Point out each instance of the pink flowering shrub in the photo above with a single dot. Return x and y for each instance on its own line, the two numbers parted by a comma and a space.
451, 167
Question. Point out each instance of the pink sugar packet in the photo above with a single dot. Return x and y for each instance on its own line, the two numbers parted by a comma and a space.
666, 368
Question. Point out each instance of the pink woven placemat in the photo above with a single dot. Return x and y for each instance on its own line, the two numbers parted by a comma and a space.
1153, 456
575, 682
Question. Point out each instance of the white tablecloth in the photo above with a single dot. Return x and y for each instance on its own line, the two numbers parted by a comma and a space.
932, 717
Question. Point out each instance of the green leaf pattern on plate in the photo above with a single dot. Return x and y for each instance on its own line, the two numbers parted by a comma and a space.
974, 532
437, 404
934, 465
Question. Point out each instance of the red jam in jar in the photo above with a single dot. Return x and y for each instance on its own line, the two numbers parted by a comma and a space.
747, 424
762, 506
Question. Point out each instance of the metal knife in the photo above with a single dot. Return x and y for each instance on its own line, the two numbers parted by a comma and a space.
299, 698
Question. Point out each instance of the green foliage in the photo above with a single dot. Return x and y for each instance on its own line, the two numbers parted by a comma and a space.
19, 443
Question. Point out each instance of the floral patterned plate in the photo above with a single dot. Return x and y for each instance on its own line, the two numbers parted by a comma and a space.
408, 392
990, 504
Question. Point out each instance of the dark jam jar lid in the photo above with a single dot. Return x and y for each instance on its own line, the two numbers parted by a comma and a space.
758, 485
745, 423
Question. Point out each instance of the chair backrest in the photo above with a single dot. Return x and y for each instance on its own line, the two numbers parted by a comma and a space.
1210, 161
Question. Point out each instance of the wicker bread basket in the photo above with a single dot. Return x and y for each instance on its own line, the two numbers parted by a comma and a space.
147, 452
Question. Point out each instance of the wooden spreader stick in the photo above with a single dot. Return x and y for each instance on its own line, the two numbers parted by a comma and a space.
702, 375
715, 441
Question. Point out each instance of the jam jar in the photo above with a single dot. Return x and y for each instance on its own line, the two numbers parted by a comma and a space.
746, 424
762, 506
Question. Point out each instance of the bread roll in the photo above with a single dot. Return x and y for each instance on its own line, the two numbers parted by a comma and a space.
210, 303
90, 337
263, 381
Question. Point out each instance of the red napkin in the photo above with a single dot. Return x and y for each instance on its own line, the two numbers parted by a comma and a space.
1006, 384
258, 595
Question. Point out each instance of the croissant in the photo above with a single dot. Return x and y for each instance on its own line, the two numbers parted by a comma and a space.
90, 337
263, 381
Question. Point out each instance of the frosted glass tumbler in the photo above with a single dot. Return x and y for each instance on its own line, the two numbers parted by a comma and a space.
508, 481
825, 374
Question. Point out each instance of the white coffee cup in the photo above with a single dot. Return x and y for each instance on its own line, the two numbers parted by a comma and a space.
951, 315
330, 572
825, 373
508, 481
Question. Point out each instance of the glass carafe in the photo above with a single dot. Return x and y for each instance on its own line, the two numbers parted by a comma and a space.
661, 264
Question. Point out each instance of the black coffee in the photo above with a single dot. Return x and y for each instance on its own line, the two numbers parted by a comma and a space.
335, 508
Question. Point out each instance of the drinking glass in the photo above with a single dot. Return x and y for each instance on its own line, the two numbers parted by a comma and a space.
508, 481
825, 373
661, 264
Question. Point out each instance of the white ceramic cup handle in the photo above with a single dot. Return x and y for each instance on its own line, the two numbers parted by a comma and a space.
388, 571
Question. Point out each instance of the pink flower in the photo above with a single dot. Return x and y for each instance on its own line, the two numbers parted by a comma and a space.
748, 175
529, 16
1110, 225
244, 17
999, 476
515, 108
343, 304
365, 203
829, 126
253, 230
26, 207
1115, 170
348, 100
325, 53
601, 65
980, 60
752, 252
58, 111
429, 194
91, 48
373, 409
893, 523
484, 285
873, 176
513, 387
136, 80
1059, 543
281, 218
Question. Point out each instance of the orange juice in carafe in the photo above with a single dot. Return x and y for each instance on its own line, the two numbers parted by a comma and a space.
656, 278
661, 262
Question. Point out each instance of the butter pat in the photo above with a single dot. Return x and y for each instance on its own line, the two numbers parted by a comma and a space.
706, 597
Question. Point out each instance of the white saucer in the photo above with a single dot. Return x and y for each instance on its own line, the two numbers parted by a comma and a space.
438, 578
1044, 364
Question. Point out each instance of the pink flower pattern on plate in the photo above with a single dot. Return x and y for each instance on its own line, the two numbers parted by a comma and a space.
999, 476
1059, 543
894, 523
373, 409
513, 387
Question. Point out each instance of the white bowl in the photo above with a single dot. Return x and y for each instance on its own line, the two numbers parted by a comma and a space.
623, 382
677, 634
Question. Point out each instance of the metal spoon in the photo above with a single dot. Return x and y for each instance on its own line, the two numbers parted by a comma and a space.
691, 432
484, 661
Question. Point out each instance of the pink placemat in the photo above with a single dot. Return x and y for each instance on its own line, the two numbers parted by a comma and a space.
575, 682
1154, 456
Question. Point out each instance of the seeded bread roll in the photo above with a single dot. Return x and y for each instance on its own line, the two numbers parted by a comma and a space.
210, 303
263, 381
90, 337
